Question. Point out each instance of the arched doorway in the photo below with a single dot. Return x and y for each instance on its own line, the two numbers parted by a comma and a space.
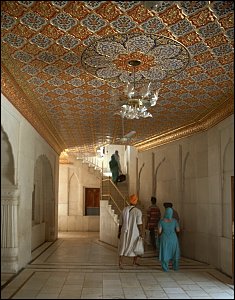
43, 203
9, 208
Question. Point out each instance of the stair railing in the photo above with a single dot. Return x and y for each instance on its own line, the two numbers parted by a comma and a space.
96, 166
111, 192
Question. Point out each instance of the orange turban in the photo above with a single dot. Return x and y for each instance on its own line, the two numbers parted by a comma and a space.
133, 199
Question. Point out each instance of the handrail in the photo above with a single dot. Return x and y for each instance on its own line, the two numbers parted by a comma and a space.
114, 185
111, 191
115, 204
108, 193
95, 165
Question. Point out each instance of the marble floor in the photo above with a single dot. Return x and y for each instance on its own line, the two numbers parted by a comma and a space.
79, 266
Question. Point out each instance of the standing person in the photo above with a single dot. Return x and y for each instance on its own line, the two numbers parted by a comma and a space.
130, 228
153, 217
114, 169
117, 157
168, 243
175, 214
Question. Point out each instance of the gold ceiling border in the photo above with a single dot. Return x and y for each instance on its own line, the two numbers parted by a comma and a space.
211, 119
65, 162
64, 158
12, 91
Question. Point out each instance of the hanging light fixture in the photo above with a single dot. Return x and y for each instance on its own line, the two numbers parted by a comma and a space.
137, 100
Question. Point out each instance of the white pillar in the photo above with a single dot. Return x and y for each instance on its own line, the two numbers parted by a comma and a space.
132, 175
9, 228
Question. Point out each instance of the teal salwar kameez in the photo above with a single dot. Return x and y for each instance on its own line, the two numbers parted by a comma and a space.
113, 164
168, 243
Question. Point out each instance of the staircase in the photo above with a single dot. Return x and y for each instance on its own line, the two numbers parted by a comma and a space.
117, 195
114, 195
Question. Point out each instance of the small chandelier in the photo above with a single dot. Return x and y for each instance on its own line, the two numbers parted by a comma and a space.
136, 101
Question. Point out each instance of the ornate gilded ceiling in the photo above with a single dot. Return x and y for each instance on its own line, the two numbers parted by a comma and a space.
43, 73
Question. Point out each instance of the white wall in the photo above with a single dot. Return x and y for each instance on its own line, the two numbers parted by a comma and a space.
109, 224
27, 146
196, 177
72, 218
109, 150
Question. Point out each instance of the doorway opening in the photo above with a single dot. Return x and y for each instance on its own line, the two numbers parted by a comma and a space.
92, 201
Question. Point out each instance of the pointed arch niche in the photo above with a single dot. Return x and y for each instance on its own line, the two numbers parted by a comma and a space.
7, 160
43, 203
227, 206
227, 173
9, 208
73, 195
165, 181
188, 207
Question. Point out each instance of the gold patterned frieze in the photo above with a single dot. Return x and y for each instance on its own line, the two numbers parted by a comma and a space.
77, 10
216, 41
65, 161
64, 157
227, 22
225, 84
31, 49
194, 70
140, 14
12, 6
171, 15
52, 32
190, 39
80, 31
202, 18
206, 122
23, 31
226, 59
204, 57
106, 31
215, 72
166, 33
108, 11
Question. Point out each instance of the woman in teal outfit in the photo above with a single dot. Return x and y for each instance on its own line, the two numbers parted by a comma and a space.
169, 245
113, 164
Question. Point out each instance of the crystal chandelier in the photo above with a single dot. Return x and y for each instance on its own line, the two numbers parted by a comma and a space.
136, 100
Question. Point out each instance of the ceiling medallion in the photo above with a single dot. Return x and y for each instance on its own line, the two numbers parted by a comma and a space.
135, 59
161, 57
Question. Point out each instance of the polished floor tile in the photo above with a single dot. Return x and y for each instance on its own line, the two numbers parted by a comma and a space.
79, 266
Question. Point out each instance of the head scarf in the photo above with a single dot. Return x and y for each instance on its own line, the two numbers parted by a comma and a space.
167, 204
133, 199
168, 213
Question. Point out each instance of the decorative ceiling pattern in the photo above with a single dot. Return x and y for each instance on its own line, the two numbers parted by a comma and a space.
158, 57
43, 75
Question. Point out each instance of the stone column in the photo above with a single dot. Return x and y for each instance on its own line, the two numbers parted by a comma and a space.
9, 228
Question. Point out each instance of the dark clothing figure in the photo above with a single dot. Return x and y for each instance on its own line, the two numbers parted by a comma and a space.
175, 214
117, 157
153, 217
114, 169
169, 249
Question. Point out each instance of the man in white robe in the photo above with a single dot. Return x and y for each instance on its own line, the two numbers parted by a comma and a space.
130, 228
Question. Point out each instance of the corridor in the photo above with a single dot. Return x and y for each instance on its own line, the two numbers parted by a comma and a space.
79, 266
